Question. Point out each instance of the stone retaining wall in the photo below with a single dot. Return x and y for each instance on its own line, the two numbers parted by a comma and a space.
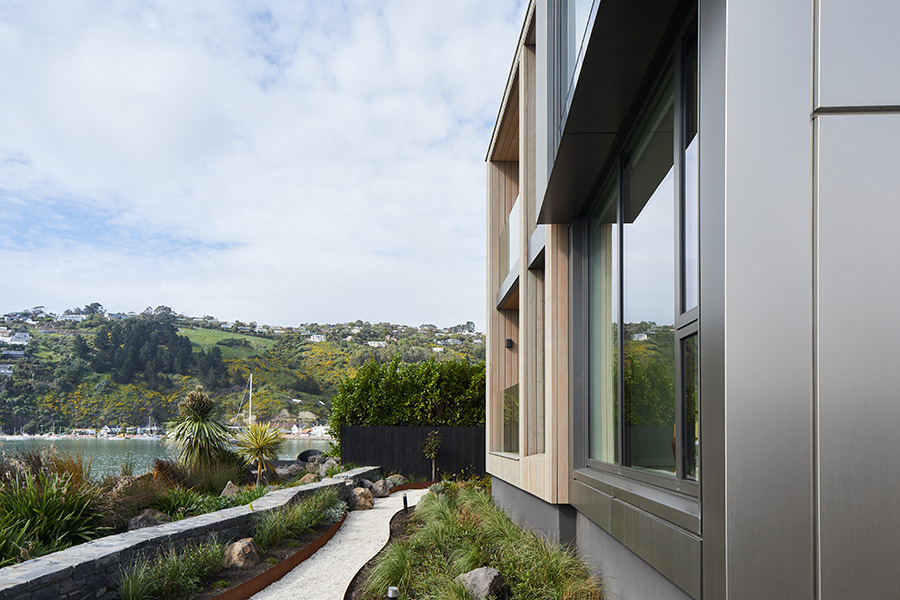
92, 569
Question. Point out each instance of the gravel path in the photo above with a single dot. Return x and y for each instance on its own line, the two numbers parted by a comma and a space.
327, 573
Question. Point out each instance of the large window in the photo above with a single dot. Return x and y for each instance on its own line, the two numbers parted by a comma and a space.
642, 248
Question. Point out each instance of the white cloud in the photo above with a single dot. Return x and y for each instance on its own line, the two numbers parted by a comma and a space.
295, 161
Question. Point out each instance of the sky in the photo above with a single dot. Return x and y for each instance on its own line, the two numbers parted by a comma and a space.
281, 162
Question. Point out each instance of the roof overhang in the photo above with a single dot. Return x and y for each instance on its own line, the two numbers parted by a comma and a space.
623, 43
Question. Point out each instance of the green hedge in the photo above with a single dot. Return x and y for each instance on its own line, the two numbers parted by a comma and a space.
440, 394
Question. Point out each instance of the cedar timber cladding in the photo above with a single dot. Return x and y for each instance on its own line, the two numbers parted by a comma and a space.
527, 292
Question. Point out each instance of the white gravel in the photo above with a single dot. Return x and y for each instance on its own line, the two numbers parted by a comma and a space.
326, 574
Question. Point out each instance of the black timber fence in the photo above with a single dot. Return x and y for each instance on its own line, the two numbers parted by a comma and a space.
400, 449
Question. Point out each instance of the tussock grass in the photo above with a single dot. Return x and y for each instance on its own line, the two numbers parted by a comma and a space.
297, 519
172, 574
457, 529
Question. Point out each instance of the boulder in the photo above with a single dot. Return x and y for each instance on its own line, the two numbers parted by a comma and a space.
366, 484
312, 467
290, 471
396, 480
360, 499
323, 468
309, 478
230, 490
242, 553
320, 458
483, 582
156, 514
381, 488
141, 521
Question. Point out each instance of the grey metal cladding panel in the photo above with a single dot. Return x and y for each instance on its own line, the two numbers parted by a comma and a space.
858, 53
671, 551
593, 504
768, 300
858, 350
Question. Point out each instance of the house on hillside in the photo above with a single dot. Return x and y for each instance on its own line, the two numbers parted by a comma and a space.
721, 175
6, 370
317, 338
377, 344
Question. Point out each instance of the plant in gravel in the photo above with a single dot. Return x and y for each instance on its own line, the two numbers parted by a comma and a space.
221, 584
294, 520
172, 574
459, 529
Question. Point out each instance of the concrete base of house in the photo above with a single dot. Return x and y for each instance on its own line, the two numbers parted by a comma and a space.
625, 575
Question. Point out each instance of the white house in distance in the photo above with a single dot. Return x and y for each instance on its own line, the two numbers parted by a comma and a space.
317, 338
377, 344
16, 339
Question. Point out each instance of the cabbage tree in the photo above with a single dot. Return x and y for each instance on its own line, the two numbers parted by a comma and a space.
199, 439
259, 442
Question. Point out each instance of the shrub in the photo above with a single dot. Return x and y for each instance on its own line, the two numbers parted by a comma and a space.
439, 394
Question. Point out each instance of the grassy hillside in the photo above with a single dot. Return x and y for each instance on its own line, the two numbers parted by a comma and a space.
207, 338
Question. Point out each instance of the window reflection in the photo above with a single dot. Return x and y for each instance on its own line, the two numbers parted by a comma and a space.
691, 382
649, 289
604, 318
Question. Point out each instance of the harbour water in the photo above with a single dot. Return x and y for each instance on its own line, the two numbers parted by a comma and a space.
108, 455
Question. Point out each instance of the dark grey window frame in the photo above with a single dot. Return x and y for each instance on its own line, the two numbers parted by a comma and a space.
592, 472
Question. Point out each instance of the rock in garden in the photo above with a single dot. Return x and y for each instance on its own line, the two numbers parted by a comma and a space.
366, 484
295, 469
396, 480
230, 490
323, 468
308, 478
243, 553
156, 514
381, 488
360, 499
141, 521
321, 458
483, 582
312, 466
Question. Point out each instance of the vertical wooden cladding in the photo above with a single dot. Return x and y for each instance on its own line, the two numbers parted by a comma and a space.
537, 321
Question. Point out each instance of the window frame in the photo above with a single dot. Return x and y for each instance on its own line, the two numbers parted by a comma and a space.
686, 323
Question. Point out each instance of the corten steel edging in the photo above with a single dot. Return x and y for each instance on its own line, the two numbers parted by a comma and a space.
264, 580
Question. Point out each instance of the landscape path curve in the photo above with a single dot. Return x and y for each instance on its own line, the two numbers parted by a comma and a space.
326, 574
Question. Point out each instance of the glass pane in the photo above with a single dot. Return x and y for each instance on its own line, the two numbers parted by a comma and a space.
511, 419
691, 380
603, 237
649, 290
573, 15
513, 227
691, 208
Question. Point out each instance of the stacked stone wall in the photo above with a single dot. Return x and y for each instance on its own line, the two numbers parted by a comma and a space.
93, 569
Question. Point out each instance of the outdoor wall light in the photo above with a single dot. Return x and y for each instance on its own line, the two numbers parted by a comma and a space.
393, 592
509, 343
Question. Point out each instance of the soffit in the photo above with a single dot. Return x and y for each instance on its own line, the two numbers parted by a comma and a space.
622, 46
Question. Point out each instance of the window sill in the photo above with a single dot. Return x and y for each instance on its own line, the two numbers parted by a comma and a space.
506, 455
675, 507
